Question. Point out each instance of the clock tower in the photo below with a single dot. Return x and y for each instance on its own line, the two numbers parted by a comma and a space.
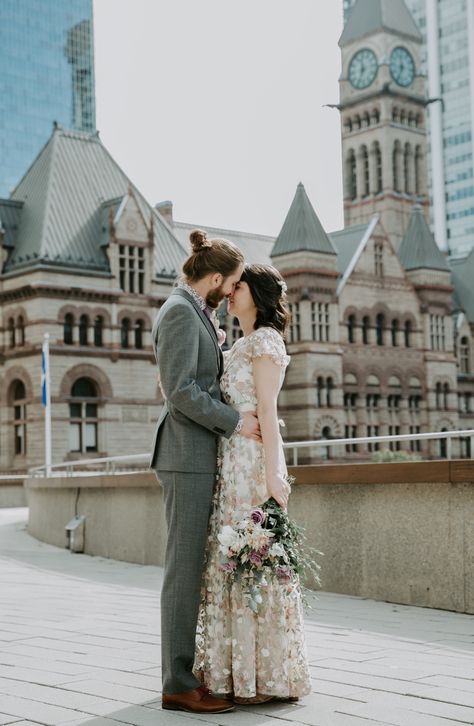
382, 105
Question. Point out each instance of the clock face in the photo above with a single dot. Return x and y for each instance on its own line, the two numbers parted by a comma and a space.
363, 69
402, 67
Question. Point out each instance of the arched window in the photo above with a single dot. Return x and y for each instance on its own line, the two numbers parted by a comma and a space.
83, 330
395, 332
446, 396
19, 417
418, 163
329, 387
69, 328
21, 330
379, 328
378, 168
375, 116
403, 116
407, 331
139, 327
319, 391
11, 333
418, 120
352, 175
443, 448
396, 166
438, 396
348, 125
125, 333
83, 421
464, 355
365, 329
364, 155
406, 168
395, 115
357, 122
98, 331
366, 119
326, 434
351, 321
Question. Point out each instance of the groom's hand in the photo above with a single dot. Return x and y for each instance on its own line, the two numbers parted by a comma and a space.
250, 426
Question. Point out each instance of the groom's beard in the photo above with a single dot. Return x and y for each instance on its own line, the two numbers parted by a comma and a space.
215, 297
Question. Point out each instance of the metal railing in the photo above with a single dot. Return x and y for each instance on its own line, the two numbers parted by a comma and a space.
130, 463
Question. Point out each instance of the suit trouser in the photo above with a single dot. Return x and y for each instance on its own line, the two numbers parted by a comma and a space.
188, 499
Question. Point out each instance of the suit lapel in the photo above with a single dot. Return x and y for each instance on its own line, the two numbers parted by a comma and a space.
207, 323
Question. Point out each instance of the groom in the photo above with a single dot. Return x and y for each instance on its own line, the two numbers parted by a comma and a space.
184, 453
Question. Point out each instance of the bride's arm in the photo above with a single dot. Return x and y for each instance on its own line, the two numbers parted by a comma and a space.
266, 374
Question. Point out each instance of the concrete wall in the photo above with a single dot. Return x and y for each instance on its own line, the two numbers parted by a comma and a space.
398, 532
12, 494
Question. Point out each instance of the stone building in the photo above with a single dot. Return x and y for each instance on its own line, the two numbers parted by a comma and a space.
382, 327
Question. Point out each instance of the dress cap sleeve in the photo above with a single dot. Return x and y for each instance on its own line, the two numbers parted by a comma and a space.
267, 341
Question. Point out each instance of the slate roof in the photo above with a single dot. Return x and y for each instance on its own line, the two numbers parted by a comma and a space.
302, 229
462, 270
256, 247
418, 249
370, 16
63, 195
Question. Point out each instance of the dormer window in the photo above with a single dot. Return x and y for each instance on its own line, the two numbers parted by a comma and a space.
132, 268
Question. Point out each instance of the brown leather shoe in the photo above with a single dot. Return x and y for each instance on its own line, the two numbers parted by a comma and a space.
199, 700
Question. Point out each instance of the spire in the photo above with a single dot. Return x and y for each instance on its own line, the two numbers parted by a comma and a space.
418, 249
302, 229
370, 16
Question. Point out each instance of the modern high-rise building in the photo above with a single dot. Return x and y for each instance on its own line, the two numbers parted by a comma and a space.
447, 28
46, 75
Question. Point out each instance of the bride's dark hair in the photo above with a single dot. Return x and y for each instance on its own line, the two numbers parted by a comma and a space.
268, 290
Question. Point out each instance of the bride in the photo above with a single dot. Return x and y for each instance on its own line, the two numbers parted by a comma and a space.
242, 655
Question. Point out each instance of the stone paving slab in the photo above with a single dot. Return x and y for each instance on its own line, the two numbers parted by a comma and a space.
79, 644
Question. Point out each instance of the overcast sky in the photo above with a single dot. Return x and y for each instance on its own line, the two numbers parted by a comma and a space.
217, 105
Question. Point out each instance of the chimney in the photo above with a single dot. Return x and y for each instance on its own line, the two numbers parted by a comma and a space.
166, 210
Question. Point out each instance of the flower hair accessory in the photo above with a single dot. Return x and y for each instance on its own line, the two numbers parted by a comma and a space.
283, 285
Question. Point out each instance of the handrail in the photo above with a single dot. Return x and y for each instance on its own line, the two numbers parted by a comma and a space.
112, 461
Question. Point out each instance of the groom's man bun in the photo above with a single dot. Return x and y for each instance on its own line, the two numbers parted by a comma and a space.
209, 256
199, 240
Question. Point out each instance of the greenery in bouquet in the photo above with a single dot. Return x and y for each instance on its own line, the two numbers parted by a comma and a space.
266, 545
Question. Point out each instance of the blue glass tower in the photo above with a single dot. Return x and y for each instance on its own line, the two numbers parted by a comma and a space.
46, 75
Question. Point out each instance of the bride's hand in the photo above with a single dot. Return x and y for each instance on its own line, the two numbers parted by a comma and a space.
279, 489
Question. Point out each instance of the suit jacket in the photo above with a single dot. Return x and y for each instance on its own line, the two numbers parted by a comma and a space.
190, 364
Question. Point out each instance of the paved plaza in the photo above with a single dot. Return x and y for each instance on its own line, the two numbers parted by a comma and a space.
79, 644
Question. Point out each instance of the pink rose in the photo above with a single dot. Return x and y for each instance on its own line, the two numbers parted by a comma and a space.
257, 516
255, 558
283, 574
229, 566
263, 551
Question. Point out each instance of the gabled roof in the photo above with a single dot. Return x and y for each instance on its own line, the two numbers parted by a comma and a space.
462, 270
418, 249
302, 229
371, 16
347, 241
63, 195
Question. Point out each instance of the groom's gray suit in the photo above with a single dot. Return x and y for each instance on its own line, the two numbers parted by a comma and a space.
184, 456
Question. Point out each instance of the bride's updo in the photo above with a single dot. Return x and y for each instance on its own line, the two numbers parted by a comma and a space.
209, 256
268, 290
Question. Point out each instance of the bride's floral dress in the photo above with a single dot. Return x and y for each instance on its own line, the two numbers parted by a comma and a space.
239, 651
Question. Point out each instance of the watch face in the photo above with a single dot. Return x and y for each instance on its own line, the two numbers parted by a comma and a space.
363, 69
402, 67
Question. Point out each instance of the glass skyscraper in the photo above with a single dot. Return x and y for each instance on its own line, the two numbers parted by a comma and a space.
447, 27
46, 75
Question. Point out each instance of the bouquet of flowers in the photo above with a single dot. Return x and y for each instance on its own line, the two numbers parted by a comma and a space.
266, 544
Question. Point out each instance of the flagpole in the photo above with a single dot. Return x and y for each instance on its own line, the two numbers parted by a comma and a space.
46, 399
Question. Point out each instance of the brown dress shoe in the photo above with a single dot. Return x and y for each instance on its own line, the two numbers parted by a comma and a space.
199, 700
